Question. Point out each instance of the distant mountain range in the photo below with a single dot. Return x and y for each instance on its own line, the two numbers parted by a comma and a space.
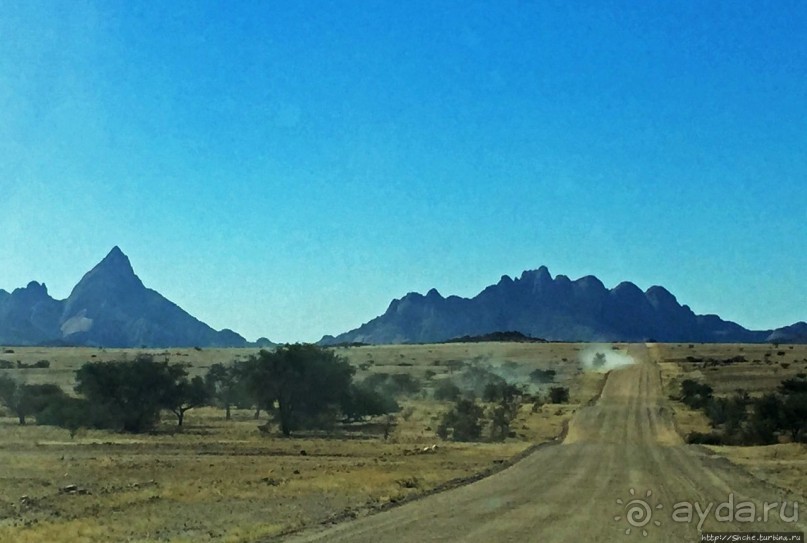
556, 309
109, 307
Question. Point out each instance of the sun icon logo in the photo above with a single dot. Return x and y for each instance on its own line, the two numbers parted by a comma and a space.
638, 512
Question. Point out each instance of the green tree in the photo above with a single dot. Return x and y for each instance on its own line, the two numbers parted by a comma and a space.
185, 394
130, 392
302, 385
26, 400
463, 422
227, 385
362, 401
508, 399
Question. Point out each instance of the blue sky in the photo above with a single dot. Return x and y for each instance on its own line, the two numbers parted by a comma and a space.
287, 170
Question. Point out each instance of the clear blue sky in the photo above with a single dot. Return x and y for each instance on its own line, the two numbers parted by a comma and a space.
287, 170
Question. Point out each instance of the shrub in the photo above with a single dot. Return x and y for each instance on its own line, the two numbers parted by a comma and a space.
540, 376
699, 438
446, 390
462, 423
694, 394
558, 395
362, 401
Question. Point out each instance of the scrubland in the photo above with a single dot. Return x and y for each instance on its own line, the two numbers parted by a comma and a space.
218, 480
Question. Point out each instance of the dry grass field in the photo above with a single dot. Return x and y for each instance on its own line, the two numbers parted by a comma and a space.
225, 481
761, 371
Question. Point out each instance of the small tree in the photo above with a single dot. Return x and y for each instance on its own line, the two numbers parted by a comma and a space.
26, 400
11, 396
69, 413
462, 423
185, 394
362, 401
446, 390
227, 386
765, 420
558, 395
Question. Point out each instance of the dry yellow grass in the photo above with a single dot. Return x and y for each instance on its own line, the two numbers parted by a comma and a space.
224, 481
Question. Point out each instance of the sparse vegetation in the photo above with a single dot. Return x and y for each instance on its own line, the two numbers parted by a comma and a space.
161, 469
742, 420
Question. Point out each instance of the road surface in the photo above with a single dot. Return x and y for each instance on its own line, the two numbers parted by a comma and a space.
620, 448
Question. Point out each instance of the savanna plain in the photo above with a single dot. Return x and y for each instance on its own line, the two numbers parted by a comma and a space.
229, 481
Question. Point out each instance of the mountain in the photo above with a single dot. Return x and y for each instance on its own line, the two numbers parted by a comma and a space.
109, 307
28, 315
557, 309
795, 333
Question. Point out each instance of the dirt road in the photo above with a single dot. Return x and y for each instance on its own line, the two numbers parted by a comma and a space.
570, 492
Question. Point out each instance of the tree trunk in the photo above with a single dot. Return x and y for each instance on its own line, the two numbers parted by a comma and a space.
285, 419
22, 418
227, 412
180, 417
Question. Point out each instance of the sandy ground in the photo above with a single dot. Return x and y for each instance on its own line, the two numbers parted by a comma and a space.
622, 472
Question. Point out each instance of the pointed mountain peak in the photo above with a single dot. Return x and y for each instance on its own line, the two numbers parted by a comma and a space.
113, 272
116, 259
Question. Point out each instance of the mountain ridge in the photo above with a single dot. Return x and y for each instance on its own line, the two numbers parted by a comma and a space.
555, 309
109, 307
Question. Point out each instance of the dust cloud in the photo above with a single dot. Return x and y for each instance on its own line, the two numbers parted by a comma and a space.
604, 358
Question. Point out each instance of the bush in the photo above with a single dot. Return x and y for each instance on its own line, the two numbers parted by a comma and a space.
72, 414
399, 384
540, 376
694, 394
501, 392
446, 390
558, 395
475, 379
26, 400
699, 438
362, 401
462, 423
728, 412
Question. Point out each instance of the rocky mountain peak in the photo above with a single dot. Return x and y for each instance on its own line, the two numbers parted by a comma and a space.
541, 275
